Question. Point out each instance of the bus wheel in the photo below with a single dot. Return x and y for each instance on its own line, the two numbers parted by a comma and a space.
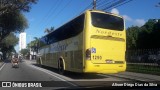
60, 67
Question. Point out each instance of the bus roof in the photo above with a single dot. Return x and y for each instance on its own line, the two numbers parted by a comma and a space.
100, 11
89, 10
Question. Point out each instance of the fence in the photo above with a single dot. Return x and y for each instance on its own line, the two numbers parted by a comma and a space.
143, 56
146, 60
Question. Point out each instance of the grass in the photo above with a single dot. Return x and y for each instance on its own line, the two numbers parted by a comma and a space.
148, 69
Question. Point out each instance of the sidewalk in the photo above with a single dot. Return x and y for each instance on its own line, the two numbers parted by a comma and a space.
30, 61
141, 75
138, 76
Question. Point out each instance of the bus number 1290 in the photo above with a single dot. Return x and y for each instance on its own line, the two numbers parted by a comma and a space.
97, 57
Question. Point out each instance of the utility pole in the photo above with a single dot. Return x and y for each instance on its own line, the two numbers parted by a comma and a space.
94, 4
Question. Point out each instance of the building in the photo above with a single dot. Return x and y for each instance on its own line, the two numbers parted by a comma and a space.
22, 41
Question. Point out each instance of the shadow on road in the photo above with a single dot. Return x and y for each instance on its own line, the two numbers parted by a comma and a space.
7, 61
73, 75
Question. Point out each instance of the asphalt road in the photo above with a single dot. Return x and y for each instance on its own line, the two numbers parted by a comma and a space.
27, 71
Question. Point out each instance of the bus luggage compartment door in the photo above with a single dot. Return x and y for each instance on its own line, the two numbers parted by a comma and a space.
107, 50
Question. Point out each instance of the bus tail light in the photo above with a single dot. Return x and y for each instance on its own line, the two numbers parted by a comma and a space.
88, 54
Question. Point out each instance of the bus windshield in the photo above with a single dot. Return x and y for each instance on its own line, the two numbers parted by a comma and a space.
107, 21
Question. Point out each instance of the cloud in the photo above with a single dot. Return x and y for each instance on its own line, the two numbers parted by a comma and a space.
139, 22
127, 18
115, 11
134, 22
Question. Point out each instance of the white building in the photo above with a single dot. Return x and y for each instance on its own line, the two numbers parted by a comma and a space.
22, 41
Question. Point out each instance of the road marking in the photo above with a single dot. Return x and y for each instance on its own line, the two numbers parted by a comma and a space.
48, 72
2, 66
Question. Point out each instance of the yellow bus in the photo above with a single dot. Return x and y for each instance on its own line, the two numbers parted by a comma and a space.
93, 42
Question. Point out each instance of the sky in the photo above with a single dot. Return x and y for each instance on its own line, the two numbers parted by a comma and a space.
54, 13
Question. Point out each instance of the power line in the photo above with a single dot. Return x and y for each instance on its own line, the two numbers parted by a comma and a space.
89, 6
113, 4
100, 1
103, 3
48, 13
120, 4
116, 4
52, 13
59, 12
75, 9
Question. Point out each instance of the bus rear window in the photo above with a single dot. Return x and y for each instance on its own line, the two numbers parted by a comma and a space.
107, 21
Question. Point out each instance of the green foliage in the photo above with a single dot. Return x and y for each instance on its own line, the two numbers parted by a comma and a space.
8, 6
24, 51
8, 43
10, 40
52, 28
145, 37
47, 30
11, 16
132, 36
33, 44
12, 22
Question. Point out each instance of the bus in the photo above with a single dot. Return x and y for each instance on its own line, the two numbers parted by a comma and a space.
93, 42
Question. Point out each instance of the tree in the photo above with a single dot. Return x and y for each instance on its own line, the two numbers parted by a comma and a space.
11, 17
49, 30
36, 46
132, 36
148, 35
144, 37
33, 44
52, 29
9, 6
8, 43
12, 22
11, 39
24, 51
